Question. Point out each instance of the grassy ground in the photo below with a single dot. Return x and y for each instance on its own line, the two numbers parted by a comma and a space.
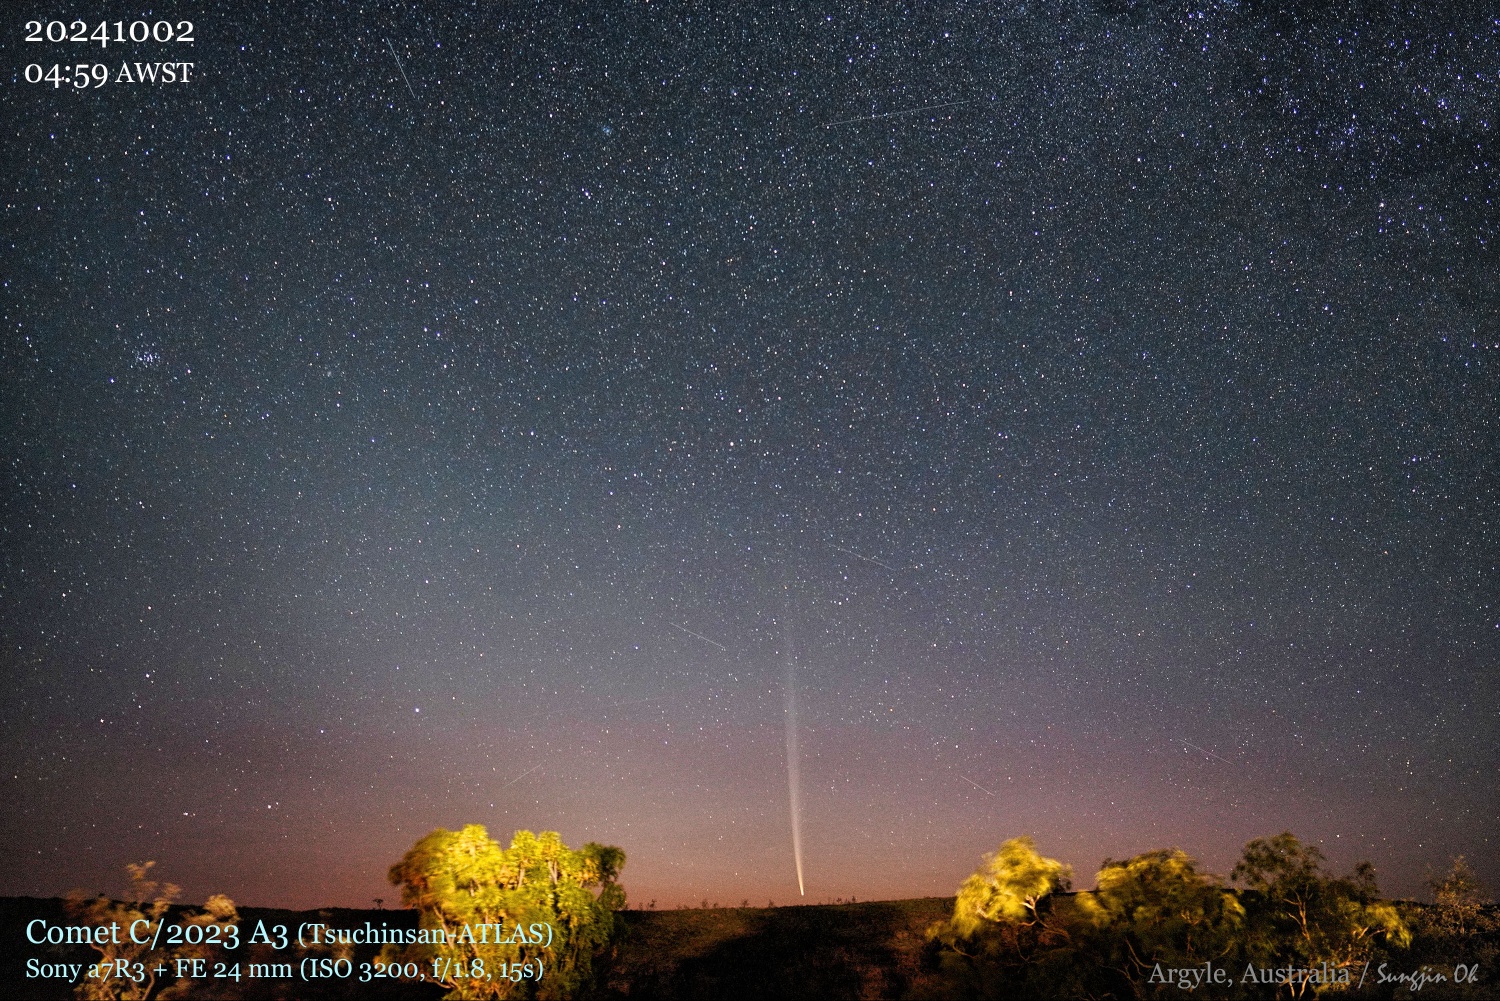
17, 912
869, 950
830, 952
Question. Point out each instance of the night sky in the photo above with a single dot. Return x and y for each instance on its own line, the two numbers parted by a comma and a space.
476, 413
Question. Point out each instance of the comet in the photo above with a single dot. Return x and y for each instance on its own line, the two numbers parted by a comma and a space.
793, 758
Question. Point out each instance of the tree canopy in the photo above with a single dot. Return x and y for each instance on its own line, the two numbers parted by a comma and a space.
547, 910
1153, 919
1303, 916
1008, 885
1158, 908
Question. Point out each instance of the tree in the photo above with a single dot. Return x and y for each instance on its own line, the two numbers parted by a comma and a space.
1000, 922
1301, 917
1008, 886
1156, 926
1460, 898
509, 922
1461, 929
1154, 910
152, 903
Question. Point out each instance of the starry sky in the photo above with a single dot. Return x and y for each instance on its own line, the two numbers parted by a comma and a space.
476, 413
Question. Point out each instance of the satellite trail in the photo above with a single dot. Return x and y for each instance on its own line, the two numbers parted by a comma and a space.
520, 777
867, 559
976, 785
893, 114
1204, 750
402, 69
684, 629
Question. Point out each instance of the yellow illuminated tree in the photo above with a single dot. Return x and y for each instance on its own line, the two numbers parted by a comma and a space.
1155, 910
515, 922
1000, 912
125, 970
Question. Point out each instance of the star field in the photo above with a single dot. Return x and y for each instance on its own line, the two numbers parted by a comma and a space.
438, 417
